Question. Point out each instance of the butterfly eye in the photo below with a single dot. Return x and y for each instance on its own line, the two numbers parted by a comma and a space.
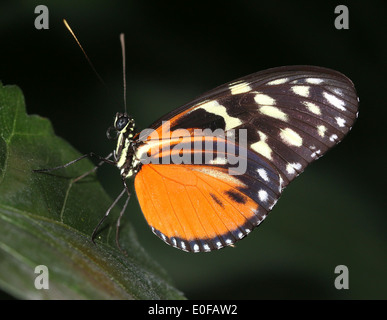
121, 123
112, 133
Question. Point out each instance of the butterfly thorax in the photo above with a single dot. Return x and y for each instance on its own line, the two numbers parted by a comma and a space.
124, 155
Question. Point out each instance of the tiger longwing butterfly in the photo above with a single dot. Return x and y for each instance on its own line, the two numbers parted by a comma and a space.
291, 116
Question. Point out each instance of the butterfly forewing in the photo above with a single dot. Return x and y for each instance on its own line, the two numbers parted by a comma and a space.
292, 116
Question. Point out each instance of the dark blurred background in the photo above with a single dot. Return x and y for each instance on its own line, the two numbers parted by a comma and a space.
333, 214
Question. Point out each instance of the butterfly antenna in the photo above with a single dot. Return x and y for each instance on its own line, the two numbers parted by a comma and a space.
84, 52
122, 40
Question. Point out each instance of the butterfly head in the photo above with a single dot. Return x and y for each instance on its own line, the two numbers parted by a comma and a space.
123, 125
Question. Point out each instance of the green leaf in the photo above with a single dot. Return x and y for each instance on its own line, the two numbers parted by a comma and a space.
46, 219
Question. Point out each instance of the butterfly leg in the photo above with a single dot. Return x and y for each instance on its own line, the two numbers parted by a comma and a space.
121, 214
106, 215
91, 154
94, 169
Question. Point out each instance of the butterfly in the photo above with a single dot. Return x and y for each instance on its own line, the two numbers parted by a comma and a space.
207, 173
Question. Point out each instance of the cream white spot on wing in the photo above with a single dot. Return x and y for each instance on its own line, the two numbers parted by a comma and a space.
263, 174
254, 210
196, 247
219, 175
206, 247
281, 182
261, 146
264, 99
239, 87
338, 91
334, 101
312, 107
214, 107
218, 160
314, 80
291, 137
340, 121
316, 153
230, 134
274, 113
277, 81
262, 195
321, 130
333, 137
271, 206
292, 167
302, 91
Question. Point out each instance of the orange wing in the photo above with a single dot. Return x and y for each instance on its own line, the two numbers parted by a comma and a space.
197, 208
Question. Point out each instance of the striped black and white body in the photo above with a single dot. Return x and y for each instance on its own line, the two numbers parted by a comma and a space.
124, 154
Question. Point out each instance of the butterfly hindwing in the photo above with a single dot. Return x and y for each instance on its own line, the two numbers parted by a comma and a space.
291, 116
